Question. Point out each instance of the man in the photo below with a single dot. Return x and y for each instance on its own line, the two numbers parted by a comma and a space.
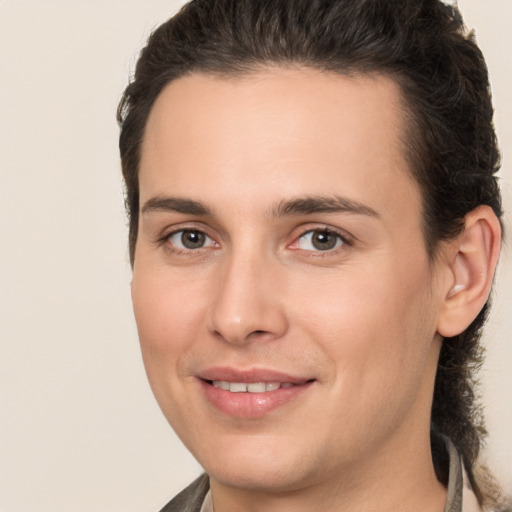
314, 229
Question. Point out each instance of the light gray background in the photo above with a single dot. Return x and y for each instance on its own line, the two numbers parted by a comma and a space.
79, 428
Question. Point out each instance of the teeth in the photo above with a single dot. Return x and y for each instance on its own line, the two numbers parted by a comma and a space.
252, 387
238, 387
257, 387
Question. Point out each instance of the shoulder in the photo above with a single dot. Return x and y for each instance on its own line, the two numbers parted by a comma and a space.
191, 498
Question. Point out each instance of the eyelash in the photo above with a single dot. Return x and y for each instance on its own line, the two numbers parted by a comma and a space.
166, 239
343, 240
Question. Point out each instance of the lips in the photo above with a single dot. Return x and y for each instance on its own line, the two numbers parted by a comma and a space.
250, 387
251, 394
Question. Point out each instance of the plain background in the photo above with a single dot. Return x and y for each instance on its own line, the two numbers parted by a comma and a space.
79, 428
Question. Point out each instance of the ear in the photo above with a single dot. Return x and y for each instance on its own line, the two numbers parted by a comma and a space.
471, 260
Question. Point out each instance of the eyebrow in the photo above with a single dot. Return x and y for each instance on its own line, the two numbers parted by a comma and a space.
307, 205
320, 204
175, 204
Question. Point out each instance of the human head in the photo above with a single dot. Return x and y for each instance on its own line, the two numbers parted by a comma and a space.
423, 46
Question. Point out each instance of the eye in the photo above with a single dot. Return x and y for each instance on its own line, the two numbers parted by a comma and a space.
190, 239
320, 240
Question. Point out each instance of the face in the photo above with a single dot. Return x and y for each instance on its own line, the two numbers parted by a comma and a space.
286, 305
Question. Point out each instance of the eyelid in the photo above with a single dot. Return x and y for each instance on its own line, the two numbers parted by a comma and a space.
164, 238
346, 239
175, 234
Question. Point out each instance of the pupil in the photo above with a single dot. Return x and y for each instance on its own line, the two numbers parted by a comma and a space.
192, 239
323, 240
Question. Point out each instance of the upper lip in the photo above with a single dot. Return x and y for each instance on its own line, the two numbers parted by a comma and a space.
249, 375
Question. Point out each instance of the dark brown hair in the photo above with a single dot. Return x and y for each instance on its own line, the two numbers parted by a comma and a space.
451, 146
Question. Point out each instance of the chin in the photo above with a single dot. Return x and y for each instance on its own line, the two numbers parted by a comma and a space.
267, 465
253, 477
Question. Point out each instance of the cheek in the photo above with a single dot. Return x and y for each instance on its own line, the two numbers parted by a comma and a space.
373, 327
167, 315
376, 336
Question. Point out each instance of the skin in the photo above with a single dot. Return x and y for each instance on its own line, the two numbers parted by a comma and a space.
361, 319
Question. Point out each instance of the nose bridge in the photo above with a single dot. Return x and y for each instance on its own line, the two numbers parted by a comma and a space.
246, 304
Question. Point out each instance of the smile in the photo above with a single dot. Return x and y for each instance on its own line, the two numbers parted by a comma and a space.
251, 387
244, 395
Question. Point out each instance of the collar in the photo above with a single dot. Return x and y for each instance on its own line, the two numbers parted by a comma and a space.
460, 496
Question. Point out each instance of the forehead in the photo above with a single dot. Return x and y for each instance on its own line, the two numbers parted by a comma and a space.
299, 130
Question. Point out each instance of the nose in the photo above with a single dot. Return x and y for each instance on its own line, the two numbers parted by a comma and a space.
248, 303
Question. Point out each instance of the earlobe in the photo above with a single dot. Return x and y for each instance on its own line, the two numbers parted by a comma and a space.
472, 263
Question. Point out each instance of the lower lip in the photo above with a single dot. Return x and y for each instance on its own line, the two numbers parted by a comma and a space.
252, 405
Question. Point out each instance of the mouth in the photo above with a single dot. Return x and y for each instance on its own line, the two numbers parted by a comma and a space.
252, 387
252, 394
